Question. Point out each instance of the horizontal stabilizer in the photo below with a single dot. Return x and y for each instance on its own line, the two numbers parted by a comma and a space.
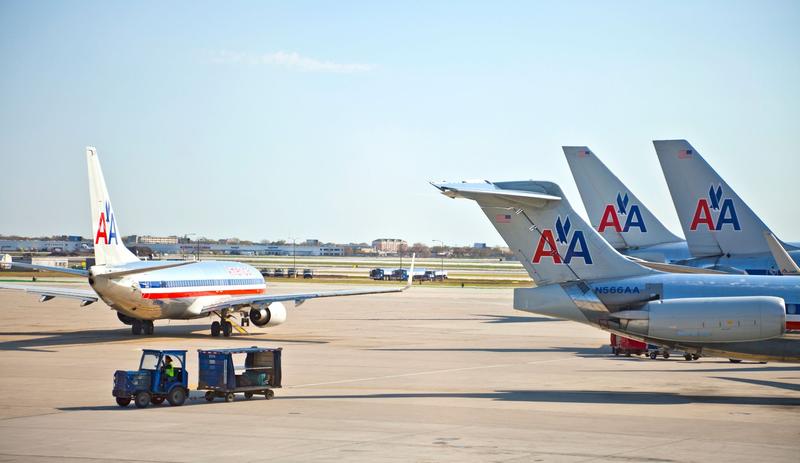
45, 268
121, 273
547, 236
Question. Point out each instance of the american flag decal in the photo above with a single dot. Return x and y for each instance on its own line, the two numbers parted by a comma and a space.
584, 153
502, 218
684, 154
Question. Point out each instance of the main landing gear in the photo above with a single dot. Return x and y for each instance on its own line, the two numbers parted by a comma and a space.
142, 327
225, 327
227, 324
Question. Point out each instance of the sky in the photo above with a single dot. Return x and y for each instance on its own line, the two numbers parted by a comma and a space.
326, 120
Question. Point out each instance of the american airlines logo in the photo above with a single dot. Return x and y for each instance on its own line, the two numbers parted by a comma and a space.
622, 216
106, 228
564, 237
724, 211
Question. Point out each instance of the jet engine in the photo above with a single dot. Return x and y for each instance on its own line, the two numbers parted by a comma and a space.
715, 319
272, 315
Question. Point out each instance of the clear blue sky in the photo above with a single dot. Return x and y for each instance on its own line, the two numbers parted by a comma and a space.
326, 119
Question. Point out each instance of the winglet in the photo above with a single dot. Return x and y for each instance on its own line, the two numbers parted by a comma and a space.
785, 263
5, 262
411, 272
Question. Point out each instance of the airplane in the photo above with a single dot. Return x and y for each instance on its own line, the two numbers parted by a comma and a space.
722, 232
144, 291
580, 277
618, 215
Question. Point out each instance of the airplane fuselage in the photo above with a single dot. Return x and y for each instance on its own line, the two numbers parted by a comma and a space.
678, 253
620, 294
175, 293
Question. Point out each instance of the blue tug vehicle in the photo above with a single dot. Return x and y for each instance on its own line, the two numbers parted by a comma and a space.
161, 376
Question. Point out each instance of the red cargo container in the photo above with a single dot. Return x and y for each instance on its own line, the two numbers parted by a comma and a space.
628, 347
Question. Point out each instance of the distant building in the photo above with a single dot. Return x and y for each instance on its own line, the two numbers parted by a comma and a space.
479, 246
31, 245
312, 243
389, 245
148, 239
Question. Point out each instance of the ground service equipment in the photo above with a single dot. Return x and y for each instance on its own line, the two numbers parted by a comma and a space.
153, 383
259, 373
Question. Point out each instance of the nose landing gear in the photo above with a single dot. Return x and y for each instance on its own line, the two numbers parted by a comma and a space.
142, 327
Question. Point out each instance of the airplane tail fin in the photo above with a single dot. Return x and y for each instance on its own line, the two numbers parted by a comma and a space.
714, 218
614, 211
108, 247
552, 241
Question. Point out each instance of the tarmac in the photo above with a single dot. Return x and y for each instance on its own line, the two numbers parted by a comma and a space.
431, 375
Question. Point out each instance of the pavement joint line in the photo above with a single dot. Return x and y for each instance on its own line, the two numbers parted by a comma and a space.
429, 372
80, 458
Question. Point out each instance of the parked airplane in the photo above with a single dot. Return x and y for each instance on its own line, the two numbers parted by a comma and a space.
722, 232
580, 277
144, 291
618, 215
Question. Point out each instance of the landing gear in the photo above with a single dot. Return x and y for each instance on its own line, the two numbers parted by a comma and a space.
735, 360
142, 327
227, 328
688, 357
224, 326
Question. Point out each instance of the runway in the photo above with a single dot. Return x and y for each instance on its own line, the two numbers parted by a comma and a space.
433, 374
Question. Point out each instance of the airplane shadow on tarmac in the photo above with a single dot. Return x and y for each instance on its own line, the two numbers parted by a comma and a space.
49, 339
762, 382
554, 396
584, 397
602, 351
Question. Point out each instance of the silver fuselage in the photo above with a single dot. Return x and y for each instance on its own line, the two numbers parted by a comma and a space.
175, 293
678, 253
559, 300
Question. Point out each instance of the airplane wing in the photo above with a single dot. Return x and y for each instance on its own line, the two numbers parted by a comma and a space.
782, 258
299, 298
86, 296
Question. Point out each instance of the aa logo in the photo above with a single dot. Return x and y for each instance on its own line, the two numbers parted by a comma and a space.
549, 244
620, 217
724, 211
106, 228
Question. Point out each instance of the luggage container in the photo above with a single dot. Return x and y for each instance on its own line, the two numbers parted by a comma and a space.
249, 370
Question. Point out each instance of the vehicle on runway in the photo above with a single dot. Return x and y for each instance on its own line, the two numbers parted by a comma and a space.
580, 277
722, 232
144, 291
151, 383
